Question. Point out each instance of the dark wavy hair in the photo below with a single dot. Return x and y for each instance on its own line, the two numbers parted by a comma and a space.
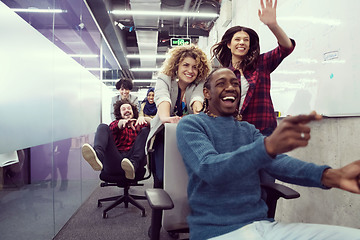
117, 106
222, 53
125, 83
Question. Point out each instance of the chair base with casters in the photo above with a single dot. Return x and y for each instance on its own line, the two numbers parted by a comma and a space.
170, 204
126, 197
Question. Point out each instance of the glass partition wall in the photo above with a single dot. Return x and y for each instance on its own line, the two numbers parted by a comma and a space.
52, 62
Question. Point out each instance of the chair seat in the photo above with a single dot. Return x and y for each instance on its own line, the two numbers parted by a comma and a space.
121, 179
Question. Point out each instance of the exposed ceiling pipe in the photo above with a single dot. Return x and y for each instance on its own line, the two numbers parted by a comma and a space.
197, 5
185, 9
100, 11
147, 40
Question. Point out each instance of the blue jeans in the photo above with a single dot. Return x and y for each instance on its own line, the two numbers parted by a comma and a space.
266, 230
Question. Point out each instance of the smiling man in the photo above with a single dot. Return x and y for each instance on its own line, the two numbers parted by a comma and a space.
223, 157
124, 86
120, 147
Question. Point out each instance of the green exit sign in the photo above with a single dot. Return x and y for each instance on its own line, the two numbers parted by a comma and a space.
179, 41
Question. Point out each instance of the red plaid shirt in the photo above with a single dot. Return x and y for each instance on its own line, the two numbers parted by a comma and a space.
124, 138
258, 107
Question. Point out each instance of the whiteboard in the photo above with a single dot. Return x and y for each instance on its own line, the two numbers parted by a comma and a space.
322, 73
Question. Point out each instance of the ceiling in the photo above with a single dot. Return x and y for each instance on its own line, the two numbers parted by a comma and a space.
148, 35
124, 34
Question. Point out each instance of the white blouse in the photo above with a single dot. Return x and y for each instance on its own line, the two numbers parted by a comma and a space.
244, 89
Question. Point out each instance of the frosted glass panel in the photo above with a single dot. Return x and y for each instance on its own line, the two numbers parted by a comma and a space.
45, 94
50, 104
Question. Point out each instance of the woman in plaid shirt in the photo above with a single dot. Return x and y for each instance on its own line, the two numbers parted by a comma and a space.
239, 50
122, 141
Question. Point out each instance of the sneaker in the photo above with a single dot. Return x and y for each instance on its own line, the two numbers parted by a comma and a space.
90, 156
128, 167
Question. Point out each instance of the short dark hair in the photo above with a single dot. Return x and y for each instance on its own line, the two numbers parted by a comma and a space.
119, 103
207, 85
125, 83
208, 78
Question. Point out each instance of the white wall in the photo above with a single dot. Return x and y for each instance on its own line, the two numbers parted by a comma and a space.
335, 142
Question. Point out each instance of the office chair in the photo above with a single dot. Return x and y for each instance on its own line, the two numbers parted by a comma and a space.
170, 205
122, 182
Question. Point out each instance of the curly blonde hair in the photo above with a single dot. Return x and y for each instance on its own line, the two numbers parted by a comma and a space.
178, 54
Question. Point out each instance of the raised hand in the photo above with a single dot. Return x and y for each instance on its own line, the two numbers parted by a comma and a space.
267, 13
291, 133
129, 123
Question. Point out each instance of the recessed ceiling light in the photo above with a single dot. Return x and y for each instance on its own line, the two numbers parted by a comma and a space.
143, 56
36, 10
165, 14
144, 69
144, 80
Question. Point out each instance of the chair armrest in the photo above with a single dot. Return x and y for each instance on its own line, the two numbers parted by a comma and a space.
279, 190
274, 191
159, 199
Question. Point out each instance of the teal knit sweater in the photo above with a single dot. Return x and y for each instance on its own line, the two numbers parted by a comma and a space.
223, 158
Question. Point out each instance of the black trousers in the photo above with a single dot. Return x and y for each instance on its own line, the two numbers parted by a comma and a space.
111, 157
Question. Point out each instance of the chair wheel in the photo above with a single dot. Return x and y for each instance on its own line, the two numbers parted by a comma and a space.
143, 214
99, 204
105, 215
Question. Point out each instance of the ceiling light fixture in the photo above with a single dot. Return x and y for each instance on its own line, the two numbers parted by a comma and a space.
144, 69
164, 14
36, 10
146, 44
119, 24
144, 80
145, 56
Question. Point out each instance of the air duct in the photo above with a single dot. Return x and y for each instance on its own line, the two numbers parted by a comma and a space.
147, 38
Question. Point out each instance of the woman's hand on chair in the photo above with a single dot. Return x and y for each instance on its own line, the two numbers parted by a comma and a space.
174, 119
140, 121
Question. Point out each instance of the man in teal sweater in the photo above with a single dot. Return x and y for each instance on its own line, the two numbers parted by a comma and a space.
223, 157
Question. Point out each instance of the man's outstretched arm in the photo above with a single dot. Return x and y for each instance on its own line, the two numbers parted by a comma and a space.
346, 178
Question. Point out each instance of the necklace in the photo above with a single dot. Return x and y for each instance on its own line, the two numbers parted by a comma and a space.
238, 117
211, 114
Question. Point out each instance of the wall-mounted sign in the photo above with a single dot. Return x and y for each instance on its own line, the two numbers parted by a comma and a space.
179, 41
